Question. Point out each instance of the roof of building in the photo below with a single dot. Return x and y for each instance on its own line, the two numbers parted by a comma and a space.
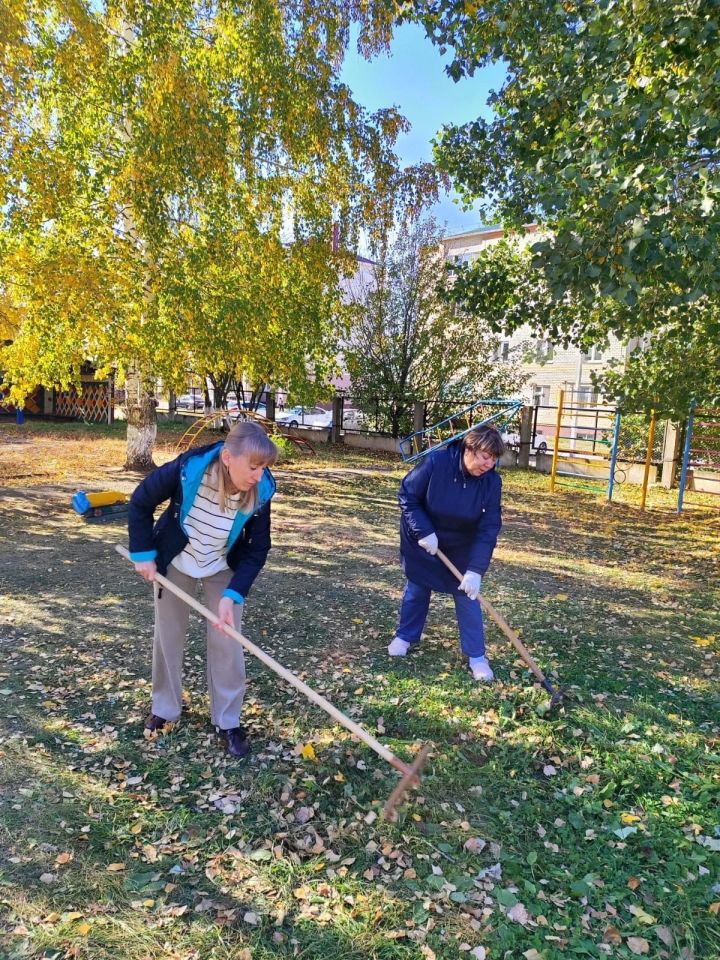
488, 233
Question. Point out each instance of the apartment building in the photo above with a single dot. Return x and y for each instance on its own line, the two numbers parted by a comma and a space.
551, 367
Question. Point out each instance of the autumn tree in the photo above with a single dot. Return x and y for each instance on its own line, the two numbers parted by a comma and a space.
605, 133
170, 174
409, 342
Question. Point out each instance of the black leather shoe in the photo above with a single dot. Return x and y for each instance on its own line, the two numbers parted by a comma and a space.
236, 742
155, 724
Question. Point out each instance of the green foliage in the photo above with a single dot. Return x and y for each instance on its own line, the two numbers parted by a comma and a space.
410, 342
170, 176
606, 134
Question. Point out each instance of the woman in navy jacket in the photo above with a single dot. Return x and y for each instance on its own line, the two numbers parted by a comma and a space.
216, 529
451, 500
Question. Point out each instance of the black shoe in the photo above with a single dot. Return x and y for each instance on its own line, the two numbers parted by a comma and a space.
236, 742
155, 724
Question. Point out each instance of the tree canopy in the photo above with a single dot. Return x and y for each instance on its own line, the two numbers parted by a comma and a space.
171, 174
605, 133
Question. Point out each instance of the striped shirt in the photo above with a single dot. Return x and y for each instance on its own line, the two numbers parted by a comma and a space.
208, 530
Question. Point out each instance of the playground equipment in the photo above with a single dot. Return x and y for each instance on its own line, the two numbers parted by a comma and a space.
497, 413
96, 507
225, 419
700, 468
410, 772
556, 696
583, 434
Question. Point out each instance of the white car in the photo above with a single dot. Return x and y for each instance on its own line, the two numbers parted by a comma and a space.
304, 417
540, 443
190, 401
354, 419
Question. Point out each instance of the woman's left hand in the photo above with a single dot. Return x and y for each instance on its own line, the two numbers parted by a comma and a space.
470, 584
225, 613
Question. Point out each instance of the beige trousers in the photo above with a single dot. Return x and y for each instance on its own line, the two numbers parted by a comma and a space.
225, 657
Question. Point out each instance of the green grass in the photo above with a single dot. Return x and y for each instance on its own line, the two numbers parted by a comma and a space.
591, 830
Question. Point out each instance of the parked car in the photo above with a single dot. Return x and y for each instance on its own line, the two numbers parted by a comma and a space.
190, 401
305, 417
540, 443
354, 419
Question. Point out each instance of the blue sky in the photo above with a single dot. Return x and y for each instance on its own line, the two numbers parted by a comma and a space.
412, 78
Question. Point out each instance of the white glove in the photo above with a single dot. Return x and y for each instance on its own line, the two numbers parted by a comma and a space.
470, 584
429, 543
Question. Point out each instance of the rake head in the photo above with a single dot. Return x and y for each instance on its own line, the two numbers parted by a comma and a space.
410, 776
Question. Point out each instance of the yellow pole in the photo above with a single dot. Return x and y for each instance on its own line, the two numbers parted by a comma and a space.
556, 445
648, 459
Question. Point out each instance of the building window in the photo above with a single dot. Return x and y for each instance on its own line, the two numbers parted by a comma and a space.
586, 396
503, 351
544, 351
593, 354
541, 395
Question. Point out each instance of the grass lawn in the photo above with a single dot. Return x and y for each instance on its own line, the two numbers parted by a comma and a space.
590, 832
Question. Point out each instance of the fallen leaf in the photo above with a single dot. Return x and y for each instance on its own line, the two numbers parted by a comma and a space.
633, 883
638, 945
115, 867
83, 929
474, 845
308, 753
612, 935
480, 953
518, 914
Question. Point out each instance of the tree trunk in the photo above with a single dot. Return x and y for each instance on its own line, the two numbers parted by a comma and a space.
141, 422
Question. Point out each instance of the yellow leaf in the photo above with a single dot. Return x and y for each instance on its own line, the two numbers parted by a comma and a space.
629, 818
339, 778
308, 752
115, 867
136, 828
67, 917
52, 917
358, 621
714, 908
561, 596
83, 929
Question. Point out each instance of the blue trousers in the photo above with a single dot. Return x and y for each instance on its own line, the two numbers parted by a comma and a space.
414, 611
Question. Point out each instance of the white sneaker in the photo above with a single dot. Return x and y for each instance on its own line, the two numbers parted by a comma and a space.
398, 647
481, 669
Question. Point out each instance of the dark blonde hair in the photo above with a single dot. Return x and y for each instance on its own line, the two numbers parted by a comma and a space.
485, 438
245, 438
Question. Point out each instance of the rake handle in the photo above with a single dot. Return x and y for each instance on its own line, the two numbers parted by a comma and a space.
320, 701
501, 622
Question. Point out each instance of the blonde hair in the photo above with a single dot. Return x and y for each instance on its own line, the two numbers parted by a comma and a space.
245, 438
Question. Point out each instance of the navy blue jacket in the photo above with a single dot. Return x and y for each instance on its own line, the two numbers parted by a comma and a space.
179, 481
439, 496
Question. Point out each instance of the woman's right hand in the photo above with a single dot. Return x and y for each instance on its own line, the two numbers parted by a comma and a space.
147, 569
429, 543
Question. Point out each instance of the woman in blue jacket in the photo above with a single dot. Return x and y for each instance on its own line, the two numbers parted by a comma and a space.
216, 529
451, 500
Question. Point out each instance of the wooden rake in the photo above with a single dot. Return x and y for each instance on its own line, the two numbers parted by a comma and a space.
556, 696
410, 772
